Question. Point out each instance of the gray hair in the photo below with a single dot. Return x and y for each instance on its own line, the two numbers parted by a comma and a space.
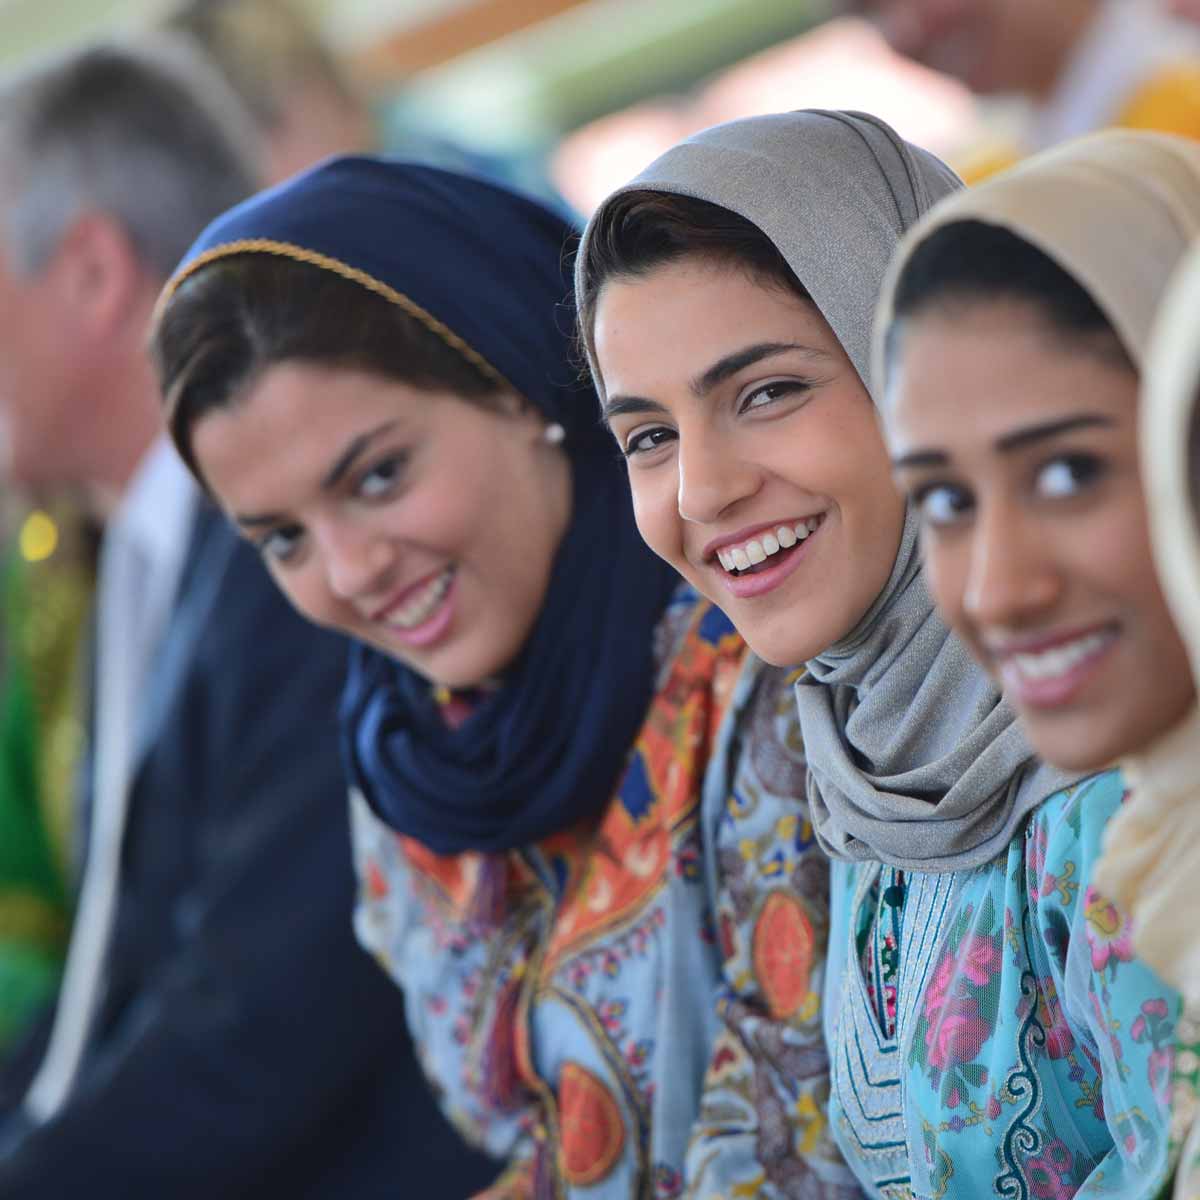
147, 134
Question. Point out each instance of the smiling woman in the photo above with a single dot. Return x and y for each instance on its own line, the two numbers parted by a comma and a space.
1012, 335
378, 388
976, 982
1020, 477
706, 361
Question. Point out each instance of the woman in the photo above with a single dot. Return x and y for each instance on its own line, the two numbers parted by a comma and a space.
1019, 447
974, 982
377, 386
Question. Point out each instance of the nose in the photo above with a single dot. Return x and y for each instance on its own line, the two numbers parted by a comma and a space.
357, 560
712, 476
1011, 575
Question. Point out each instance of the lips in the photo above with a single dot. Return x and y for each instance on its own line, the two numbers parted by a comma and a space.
752, 552
768, 557
422, 613
1051, 671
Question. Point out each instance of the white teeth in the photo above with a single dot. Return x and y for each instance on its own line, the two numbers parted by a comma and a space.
757, 550
422, 606
1048, 664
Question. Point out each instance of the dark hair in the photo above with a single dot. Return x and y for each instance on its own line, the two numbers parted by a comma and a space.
236, 317
971, 261
642, 230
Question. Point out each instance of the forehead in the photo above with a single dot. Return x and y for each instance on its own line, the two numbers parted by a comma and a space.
291, 423
970, 374
674, 321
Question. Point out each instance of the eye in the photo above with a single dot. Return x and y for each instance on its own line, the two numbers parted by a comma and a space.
1068, 475
643, 441
771, 393
942, 504
381, 479
280, 543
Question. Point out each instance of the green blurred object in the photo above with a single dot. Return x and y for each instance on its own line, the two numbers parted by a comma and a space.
45, 605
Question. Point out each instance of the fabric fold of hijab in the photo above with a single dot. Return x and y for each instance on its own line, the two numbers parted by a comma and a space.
913, 757
1151, 860
487, 270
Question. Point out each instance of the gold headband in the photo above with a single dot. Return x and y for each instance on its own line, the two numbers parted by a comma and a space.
326, 263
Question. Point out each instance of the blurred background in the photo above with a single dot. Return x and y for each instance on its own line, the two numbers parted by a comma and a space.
581, 92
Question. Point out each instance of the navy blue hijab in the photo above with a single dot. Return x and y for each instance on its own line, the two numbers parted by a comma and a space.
489, 271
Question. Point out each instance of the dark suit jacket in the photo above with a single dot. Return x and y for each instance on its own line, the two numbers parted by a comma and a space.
245, 1045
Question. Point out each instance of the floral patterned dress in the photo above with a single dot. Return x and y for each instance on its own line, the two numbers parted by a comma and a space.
563, 997
990, 1032
762, 1130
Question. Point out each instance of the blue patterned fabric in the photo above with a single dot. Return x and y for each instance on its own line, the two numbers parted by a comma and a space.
1030, 1055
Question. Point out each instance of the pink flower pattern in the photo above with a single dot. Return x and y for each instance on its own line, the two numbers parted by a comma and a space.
1108, 931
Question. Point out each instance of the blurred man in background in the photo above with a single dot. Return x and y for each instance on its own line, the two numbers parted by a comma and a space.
290, 82
303, 101
218, 1032
1081, 64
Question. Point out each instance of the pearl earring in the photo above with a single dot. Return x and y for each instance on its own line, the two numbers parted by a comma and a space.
554, 434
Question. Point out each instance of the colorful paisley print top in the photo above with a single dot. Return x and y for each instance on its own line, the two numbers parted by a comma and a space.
1030, 1056
563, 998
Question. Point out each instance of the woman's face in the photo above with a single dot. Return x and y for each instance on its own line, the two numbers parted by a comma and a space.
412, 520
757, 467
1018, 449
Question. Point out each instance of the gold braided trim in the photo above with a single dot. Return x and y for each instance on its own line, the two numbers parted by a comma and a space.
346, 271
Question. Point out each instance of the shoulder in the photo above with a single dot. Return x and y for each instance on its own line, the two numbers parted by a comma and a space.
1064, 840
691, 623
1073, 819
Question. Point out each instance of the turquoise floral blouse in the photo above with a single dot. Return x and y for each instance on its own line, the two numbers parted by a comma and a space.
989, 1030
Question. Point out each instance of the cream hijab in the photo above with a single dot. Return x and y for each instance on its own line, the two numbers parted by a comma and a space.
1151, 863
1117, 211
913, 758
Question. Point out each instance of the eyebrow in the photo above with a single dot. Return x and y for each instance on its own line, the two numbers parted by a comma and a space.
1031, 434
718, 373
333, 476
731, 364
1019, 439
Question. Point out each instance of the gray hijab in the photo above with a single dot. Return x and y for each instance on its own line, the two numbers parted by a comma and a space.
913, 757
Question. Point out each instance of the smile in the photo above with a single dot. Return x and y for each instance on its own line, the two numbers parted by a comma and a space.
745, 557
421, 613
1052, 674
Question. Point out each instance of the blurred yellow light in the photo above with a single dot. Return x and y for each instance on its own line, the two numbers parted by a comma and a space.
39, 537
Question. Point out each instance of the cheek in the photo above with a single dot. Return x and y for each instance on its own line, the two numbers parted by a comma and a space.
306, 592
655, 509
945, 563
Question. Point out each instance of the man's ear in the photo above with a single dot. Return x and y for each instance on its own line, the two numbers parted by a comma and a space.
98, 275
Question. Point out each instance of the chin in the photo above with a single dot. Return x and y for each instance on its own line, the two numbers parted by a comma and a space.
780, 651
1082, 754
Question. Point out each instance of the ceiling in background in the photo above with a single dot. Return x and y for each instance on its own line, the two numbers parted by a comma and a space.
501, 73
